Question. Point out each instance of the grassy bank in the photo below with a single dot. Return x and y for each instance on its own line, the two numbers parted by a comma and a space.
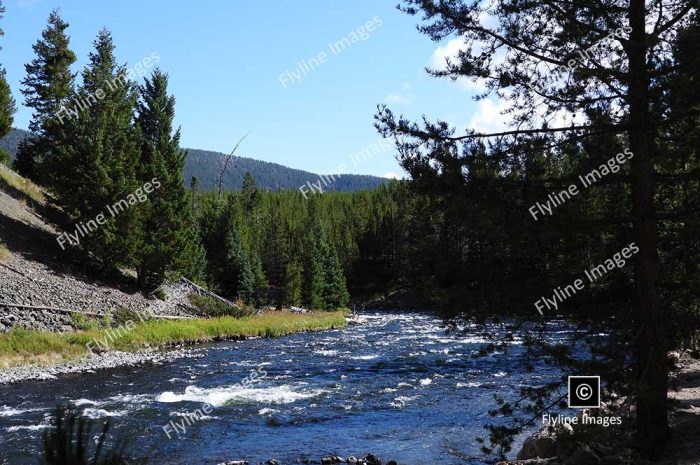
24, 187
21, 346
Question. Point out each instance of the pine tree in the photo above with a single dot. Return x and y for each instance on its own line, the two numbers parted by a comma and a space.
237, 279
7, 105
194, 185
47, 87
336, 292
259, 282
293, 283
96, 173
168, 238
7, 102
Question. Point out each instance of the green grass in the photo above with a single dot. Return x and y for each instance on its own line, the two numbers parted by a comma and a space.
4, 253
23, 185
21, 346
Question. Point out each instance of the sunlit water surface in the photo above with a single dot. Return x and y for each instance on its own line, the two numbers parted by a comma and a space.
399, 386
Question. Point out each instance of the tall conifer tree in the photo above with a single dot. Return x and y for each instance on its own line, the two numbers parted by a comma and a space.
98, 167
7, 102
169, 240
47, 86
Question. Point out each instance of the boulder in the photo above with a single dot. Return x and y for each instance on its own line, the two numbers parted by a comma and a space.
615, 459
601, 450
583, 455
372, 459
542, 445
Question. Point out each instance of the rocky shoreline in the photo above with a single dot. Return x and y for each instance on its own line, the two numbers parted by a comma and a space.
92, 363
369, 459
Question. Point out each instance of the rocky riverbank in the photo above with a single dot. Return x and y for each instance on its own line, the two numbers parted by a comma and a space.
92, 363
369, 459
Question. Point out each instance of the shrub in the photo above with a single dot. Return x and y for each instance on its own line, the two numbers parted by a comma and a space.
121, 316
5, 157
160, 294
216, 308
83, 322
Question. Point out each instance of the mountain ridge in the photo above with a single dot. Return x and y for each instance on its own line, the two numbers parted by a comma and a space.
206, 166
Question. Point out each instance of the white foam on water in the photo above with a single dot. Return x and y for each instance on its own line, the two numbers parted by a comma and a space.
470, 384
500, 374
238, 394
364, 357
80, 402
195, 415
426, 382
95, 413
402, 401
132, 398
27, 428
6, 411
328, 353
267, 411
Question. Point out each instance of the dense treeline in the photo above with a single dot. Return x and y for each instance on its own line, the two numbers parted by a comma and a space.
583, 83
107, 150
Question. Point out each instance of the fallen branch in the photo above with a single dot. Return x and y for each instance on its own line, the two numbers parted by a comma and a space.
54, 309
201, 290
16, 271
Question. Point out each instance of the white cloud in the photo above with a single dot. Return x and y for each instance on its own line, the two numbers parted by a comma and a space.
488, 117
398, 99
450, 51
391, 175
27, 4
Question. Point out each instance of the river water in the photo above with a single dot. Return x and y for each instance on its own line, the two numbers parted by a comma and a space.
400, 386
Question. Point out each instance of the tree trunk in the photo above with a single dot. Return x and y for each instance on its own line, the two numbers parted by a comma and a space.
652, 369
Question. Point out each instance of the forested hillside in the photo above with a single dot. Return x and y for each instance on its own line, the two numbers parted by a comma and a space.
206, 166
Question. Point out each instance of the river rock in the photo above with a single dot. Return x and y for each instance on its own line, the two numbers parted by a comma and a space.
372, 459
601, 450
352, 459
331, 460
542, 445
549, 461
614, 459
583, 455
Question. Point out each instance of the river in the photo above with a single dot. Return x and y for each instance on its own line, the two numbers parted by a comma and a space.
400, 386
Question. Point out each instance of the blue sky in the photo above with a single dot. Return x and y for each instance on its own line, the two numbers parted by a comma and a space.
225, 59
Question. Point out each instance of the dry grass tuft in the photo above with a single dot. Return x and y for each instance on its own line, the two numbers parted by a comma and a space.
28, 188
4, 253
